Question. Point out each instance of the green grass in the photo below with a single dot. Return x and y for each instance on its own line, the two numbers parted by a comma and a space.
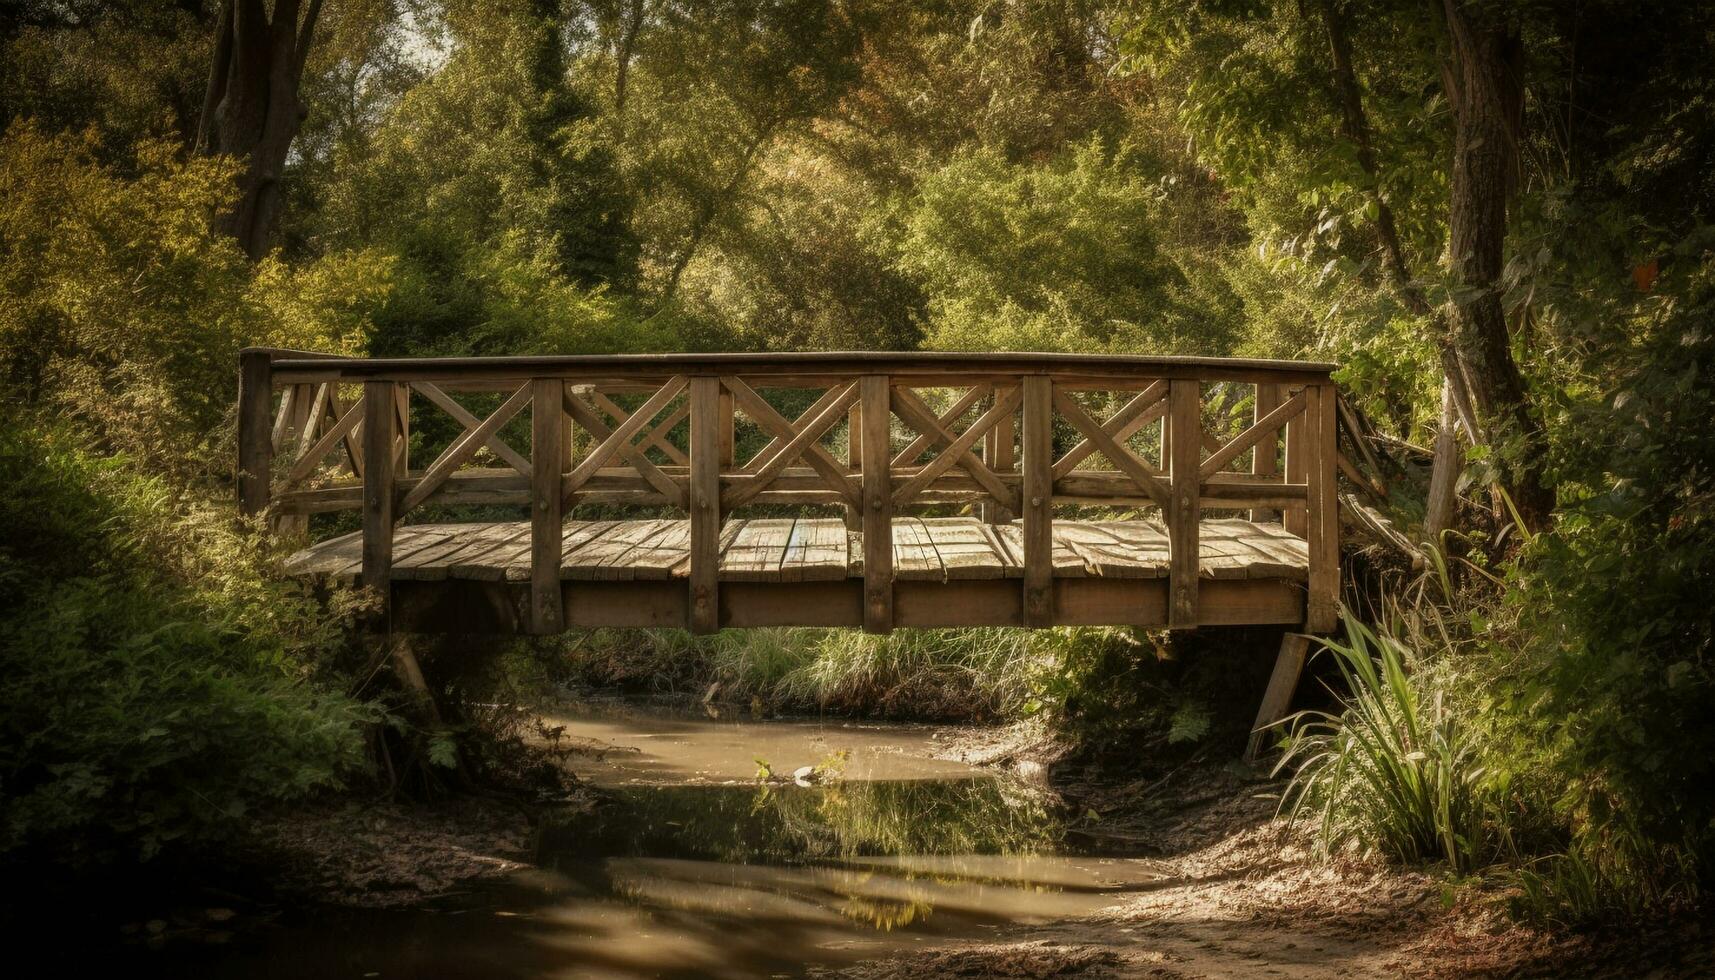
973, 674
1397, 772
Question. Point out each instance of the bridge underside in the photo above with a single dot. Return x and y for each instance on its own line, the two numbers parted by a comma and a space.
948, 572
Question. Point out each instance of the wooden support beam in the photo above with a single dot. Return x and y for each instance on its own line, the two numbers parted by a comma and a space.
255, 431
1037, 419
1277, 697
547, 442
705, 501
874, 445
1185, 416
380, 410
1322, 512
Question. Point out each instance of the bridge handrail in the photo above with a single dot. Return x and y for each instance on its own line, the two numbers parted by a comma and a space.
1005, 460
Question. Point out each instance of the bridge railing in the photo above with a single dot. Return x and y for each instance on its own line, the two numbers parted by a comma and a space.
1012, 435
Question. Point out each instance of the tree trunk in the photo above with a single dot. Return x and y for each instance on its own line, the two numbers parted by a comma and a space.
251, 110
1484, 82
1443, 500
1455, 397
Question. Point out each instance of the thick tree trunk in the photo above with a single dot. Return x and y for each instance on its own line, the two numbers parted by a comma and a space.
251, 110
1485, 86
1455, 397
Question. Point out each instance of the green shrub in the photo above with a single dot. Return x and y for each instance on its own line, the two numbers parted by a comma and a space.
154, 685
1397, 772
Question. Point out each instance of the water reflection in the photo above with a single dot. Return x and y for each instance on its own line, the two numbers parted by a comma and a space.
728, 878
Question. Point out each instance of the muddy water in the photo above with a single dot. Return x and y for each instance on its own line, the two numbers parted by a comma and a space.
696, 868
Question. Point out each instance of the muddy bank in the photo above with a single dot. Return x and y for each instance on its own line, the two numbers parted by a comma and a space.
1242, 895
901, 850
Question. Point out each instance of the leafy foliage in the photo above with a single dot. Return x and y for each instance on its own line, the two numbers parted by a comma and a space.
155, 681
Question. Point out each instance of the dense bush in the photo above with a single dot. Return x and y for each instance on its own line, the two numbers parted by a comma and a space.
154, 682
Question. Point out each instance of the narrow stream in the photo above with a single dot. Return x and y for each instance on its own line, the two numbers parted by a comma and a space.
695, 868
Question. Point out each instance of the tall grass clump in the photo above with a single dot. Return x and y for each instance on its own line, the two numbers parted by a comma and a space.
1397, 771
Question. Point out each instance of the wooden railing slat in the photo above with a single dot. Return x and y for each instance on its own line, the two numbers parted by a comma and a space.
1252, 435
1140, 472
910, 408
462, 449
464, 417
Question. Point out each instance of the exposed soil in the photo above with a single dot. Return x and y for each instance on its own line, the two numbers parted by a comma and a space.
392, 855
1245, 896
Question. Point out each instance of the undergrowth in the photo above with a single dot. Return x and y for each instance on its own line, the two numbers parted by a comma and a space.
156, 684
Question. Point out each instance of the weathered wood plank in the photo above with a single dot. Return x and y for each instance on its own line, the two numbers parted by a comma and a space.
914, 556
817, 551
967, 548
1117, 549
756, 551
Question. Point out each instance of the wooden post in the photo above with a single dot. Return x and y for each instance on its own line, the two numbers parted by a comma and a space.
1277, 697
1297, 467
380, 410
999, 455
255, 431
877, 459
1037, 436
854, 457
1264, 458
1185, 411
1322, 518
705, 500
547, 443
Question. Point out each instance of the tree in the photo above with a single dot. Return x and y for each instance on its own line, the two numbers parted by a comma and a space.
252, 110
1484, 80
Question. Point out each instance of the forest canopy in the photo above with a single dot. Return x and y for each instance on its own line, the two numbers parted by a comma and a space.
1495, 216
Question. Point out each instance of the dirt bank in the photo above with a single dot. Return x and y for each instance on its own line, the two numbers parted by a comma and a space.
1243, 896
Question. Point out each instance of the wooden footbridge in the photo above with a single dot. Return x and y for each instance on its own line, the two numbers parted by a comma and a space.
878, 490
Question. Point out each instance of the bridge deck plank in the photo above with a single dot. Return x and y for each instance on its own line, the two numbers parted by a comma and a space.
813, 550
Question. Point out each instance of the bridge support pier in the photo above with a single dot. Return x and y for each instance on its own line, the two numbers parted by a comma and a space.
1277, 697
